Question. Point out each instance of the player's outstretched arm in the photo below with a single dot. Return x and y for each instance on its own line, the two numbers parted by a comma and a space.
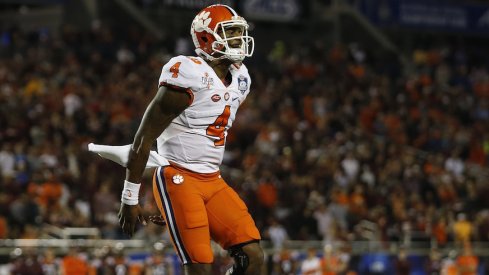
165, 106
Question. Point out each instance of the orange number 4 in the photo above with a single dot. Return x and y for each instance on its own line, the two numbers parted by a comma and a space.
218, 128
175, 69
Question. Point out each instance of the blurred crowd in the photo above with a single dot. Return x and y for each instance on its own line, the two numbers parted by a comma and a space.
359, 149
332, 144
100, 261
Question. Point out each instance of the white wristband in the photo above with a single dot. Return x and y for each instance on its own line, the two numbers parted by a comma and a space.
130, 193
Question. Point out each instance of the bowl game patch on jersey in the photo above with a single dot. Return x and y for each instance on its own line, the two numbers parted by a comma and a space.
242, 84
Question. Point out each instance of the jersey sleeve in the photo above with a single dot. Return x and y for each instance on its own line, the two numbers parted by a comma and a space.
180, 73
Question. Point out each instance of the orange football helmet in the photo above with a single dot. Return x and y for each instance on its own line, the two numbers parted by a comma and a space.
209, 45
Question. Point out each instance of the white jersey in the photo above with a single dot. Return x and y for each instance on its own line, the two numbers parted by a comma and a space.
311, 266
196, 138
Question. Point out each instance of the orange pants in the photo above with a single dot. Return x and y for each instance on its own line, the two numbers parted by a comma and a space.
198, 207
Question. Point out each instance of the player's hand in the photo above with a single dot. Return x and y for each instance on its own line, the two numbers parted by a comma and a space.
157, 219
128, 216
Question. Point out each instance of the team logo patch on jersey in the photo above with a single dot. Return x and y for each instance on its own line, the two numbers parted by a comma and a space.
242, 84
216, 97
207, 81
177, 179
226, 96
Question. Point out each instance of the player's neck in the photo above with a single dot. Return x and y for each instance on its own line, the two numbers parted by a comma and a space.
221, 67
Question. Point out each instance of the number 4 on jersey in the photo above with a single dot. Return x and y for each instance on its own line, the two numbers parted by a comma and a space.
218, 128
175, 69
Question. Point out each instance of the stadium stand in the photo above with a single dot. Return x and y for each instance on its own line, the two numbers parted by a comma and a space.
333, 146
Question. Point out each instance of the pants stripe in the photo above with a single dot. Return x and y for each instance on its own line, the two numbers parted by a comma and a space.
170, 216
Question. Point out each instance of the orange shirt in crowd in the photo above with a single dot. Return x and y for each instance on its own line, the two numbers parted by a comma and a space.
467, 265
267, 194
476, 154
342, 198
440, 233
357, 204
50, 193
450, 269
3, 228
308, 109
73, 265
358, 71
367, 117
481, 89
330, 265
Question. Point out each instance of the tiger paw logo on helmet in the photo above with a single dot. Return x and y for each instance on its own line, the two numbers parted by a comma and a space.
202, 21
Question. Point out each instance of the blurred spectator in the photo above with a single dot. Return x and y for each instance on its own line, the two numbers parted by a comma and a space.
403, 267
285, 262
26, 263
357, 207
462, 229
7, 161
24, 211
50, 192
267, 196
158, 263
455, 165
152, 233
117, 263
3, 228
277, 233
50, 264
72, 103
433, 264
30, 233
74, 263
332, 262
106, 202
449, 265
311, 265
439, 232
339, 208
325, 222
467, 262
483, 225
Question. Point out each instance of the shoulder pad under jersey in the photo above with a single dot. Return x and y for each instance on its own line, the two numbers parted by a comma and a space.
182, 72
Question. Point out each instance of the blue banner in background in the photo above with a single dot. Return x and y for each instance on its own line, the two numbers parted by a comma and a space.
194, 4
272, 10
428, 15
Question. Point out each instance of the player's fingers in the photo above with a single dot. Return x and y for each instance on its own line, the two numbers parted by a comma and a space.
126, 226
131, 226
122, 223
142, 219
141, 216
157, 219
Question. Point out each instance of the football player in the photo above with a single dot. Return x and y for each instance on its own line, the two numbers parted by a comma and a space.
189, 117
